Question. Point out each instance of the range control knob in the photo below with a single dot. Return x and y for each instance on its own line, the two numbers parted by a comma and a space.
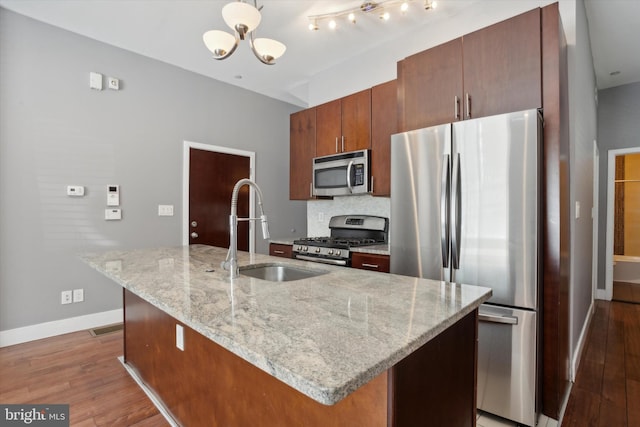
330, 251
317, 250
338, 252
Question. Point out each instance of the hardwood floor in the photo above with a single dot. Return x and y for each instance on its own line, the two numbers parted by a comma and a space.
82, 371
607, 387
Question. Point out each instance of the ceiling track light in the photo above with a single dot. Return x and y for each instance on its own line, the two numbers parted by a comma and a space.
243, 19
382, 9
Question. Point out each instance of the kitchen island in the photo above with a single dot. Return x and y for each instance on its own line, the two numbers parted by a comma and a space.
348, 347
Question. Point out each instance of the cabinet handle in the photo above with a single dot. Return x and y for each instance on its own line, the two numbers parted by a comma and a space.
276, 251
456, 107
343, 143
372, 184
311, 189
364, 264
337, 145
468, 105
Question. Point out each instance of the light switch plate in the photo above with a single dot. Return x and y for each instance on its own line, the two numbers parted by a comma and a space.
113, 214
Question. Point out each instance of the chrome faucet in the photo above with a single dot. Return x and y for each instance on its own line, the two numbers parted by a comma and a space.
231, 262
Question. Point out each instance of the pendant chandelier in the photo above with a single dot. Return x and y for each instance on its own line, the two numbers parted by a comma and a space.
243, 19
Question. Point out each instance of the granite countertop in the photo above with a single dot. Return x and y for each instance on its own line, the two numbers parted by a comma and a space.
324, 336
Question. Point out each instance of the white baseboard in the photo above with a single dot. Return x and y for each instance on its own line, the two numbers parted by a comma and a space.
602, 294
59, 327
577, 355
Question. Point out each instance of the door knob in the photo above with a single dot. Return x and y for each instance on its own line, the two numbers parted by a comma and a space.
194, 224
194, 235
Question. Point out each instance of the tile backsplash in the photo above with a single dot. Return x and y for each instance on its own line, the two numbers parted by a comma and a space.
319, 212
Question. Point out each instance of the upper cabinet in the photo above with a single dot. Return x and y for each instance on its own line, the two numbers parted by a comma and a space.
430, 87
344, 124
491, 71
384, 123
302, 150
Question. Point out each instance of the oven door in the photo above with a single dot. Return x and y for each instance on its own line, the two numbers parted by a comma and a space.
341, 174
344, 262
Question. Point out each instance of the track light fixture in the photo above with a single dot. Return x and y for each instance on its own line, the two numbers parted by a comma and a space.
243, 19
382, 8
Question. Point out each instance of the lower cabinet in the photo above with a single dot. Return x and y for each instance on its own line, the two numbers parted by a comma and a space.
206, 385
371, 262
278, 249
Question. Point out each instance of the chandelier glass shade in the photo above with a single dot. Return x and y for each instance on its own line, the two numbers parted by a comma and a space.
243, 19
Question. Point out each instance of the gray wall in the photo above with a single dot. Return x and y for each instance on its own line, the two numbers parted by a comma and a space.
618, 127
582, 116
55, 131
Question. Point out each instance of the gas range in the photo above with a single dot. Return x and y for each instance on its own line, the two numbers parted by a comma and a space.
347, 232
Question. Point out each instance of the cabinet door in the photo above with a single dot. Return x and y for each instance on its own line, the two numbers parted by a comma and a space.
328, 128
502, 67
428, 84
278, 249
302, 150
356, 121
371, 262
384, 123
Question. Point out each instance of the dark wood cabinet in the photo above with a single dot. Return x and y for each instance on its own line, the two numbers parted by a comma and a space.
344, 124
384, 123
302, 150
502, 67
556, 219
208, 385
278, 249
430, 87
371, 262
491, 71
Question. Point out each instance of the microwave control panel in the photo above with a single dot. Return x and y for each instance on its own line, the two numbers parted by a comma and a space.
358, 171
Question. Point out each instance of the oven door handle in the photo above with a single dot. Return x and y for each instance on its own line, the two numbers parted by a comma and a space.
322, 260
349, 166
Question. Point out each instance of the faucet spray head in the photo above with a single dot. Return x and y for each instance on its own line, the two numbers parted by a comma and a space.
265, 227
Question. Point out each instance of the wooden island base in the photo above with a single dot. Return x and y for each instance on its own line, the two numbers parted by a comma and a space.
206, 385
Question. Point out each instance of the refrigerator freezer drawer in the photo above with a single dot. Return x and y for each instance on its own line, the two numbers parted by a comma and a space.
507, 358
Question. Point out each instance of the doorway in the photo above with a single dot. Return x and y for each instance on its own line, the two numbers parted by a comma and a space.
622, 282
209, 175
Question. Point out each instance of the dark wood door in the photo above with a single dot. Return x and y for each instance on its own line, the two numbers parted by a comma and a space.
428, 84
356, 121
302, 150
328, 128
384, 123
502, 66
212, 176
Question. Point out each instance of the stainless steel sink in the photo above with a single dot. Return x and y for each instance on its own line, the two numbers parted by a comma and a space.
279, 272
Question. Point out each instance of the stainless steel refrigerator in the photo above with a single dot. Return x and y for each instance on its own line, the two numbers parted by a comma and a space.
465, 208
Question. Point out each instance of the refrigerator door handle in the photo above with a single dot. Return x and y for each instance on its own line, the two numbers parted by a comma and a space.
456, 215
492, 318
445, 196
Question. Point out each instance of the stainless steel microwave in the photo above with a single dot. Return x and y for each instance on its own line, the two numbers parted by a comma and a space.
342, 174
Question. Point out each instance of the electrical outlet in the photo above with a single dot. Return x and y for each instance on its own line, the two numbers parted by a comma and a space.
78, 295
66, 297
180, 337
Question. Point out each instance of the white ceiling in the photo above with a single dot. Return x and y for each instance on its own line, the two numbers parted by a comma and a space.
171, 31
